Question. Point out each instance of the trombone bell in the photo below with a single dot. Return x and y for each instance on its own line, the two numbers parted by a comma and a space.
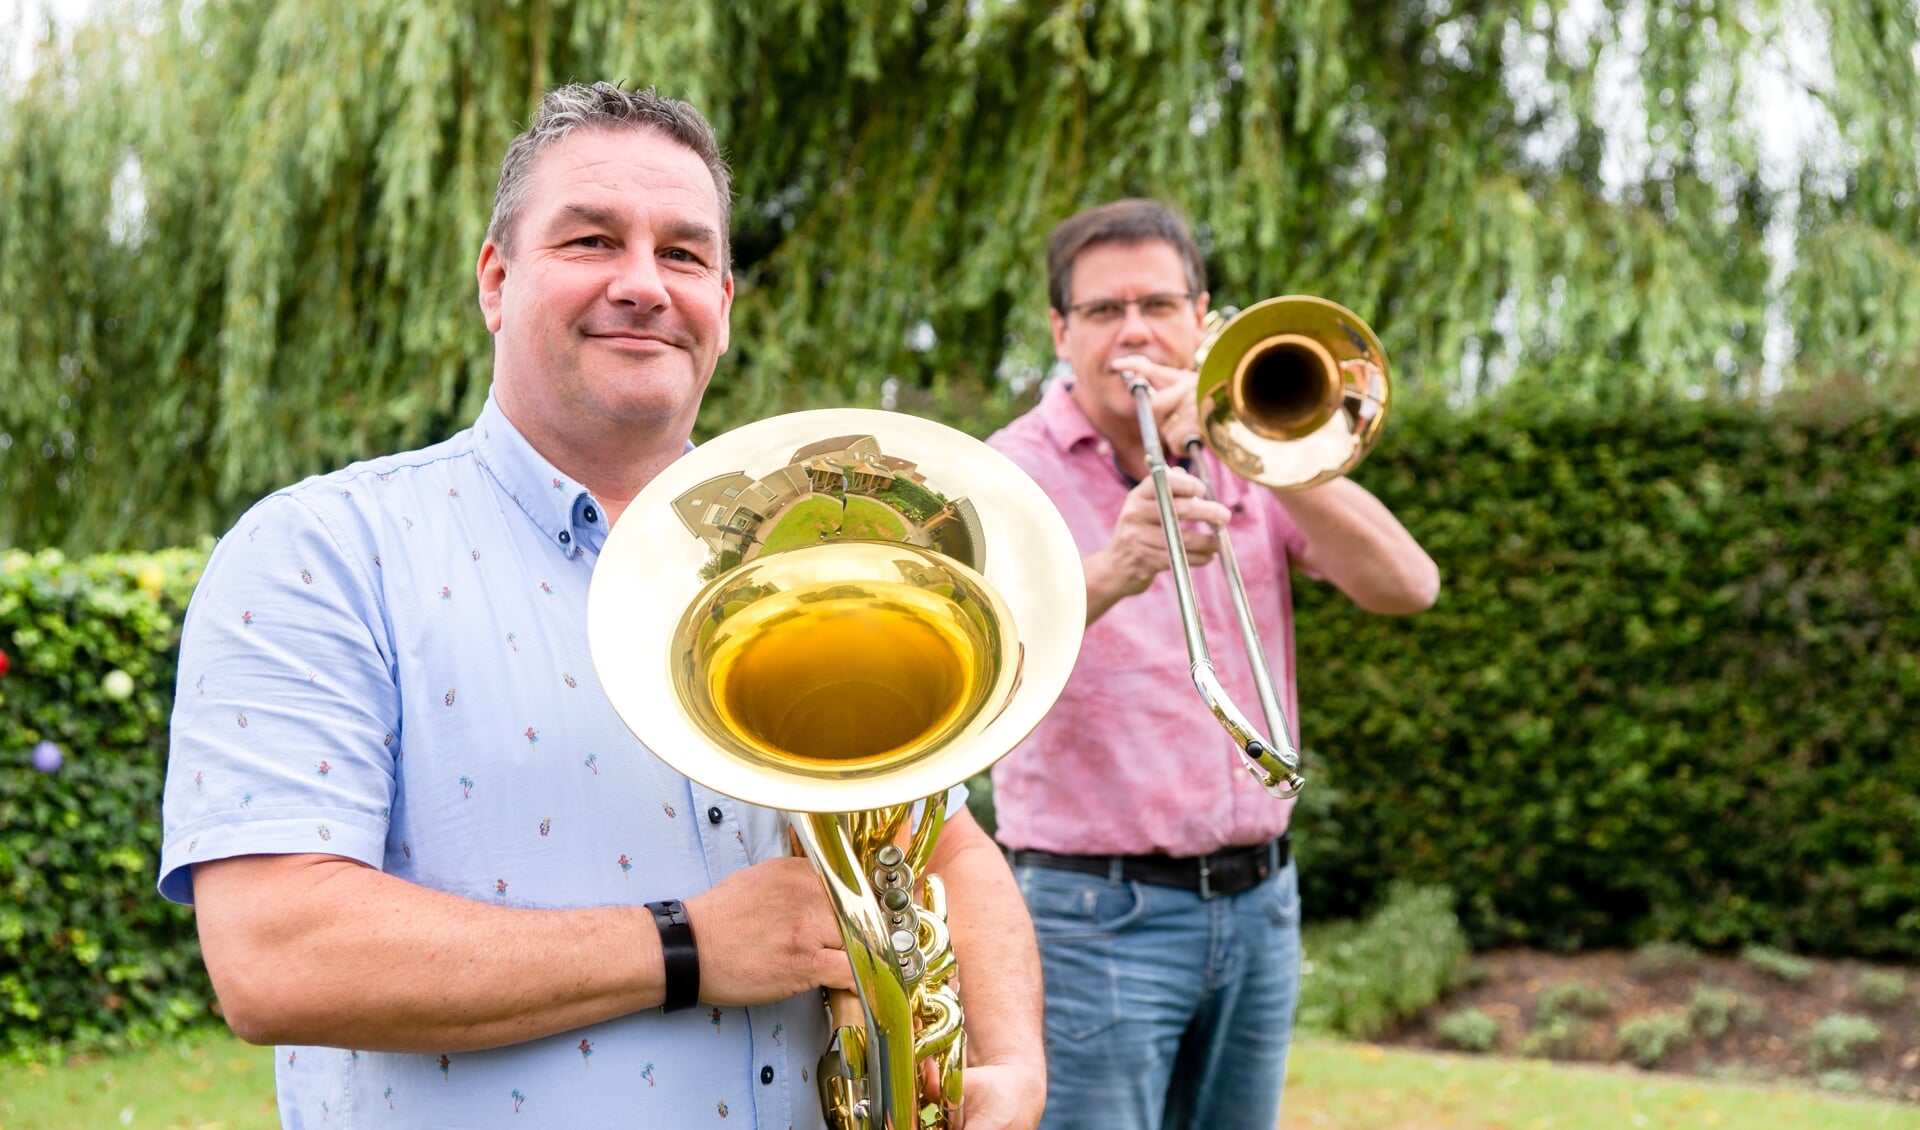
1293, 391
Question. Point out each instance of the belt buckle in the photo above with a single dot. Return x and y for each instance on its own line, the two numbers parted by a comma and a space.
1206, 887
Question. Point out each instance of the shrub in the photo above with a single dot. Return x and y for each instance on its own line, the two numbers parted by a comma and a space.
1880, 988
1571, 998
89, 953
1467, 1029
1837, 1040
1646, 1040
1359, 977
1657, 959
1555, 1034
1777, 963
1712, 1011
1668, 642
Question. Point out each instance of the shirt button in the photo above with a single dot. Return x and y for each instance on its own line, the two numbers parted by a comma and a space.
565, 537
590, 514
714, 814
766, 1073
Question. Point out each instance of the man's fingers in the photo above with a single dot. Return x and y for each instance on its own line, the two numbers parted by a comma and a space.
1182, 483
1201, 510
1161, 377
832, 970
1200, 547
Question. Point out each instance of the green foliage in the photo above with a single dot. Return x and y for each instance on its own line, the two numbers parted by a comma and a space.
1666, 692
257, 219
1880, 988
1556, 1035
1777, 963
912, 499
1837, 1040
1467, 1029
980, 801
1571, 998
1712, 1011
89, 954
1360, 976
1646, 1040
1661, 958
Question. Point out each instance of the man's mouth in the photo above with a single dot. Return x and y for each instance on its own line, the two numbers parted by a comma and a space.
633, 337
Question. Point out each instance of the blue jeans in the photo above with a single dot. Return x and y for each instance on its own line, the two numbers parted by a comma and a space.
1164, 1010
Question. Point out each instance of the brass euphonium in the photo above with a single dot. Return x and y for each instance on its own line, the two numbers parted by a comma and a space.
804, 614
1292, 392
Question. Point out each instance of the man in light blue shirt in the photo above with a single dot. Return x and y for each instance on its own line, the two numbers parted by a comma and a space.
418, 838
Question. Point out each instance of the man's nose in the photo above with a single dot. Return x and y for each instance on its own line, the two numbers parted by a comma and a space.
1133, 324
638, 282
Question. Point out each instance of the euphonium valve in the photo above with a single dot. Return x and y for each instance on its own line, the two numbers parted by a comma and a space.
840, 615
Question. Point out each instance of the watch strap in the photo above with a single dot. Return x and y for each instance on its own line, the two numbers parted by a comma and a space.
682, 958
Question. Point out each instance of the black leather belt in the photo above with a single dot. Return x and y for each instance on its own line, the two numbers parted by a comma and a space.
1228, 871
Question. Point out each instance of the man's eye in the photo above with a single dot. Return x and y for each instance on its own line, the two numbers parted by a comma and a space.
1101, 311
1159, 306
681, 255
591, 241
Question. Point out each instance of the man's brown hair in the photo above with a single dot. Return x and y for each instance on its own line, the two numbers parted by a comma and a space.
604, 106
1133, 220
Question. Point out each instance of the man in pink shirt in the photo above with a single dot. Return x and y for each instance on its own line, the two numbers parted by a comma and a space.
1156, 869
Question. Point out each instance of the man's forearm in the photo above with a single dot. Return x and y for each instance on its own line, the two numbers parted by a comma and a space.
994, 944
1356, 543
322, 950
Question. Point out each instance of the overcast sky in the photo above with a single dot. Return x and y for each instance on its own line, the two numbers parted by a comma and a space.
21, 23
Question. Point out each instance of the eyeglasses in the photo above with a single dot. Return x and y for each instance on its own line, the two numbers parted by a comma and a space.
1153, 307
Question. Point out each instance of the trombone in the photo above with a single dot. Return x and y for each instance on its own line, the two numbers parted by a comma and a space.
1292, 392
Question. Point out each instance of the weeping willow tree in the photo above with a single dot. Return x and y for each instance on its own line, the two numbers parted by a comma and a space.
237, 238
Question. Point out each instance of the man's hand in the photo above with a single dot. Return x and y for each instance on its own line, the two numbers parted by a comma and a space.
1176, 413
1138, 551
997, 1096
766, 933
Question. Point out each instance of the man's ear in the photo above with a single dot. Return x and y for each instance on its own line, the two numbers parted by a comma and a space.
491, 273
1059, 325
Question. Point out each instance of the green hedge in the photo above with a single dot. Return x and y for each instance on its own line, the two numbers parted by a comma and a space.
89, 953
1669, 689
1664, 694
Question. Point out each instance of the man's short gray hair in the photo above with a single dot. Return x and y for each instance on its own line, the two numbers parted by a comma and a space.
604, 106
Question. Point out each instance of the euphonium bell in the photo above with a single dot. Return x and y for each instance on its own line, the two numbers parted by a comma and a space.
804, 614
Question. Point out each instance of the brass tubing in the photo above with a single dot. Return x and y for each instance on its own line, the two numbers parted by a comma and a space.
1273, 763
891, 1102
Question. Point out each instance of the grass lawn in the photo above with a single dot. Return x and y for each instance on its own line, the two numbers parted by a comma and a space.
217, 1083
207, 1082
1341, 1086
807, 520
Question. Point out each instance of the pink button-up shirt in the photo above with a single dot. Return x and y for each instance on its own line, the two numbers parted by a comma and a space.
1130, 760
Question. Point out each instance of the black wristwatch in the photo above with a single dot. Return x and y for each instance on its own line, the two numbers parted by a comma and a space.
683, 958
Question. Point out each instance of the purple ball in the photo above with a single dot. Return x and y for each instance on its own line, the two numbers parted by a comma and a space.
47, 757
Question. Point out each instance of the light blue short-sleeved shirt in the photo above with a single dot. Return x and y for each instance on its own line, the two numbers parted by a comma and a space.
389, 663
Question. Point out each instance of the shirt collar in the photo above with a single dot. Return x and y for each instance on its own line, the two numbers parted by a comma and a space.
556, 503
1064, 420
1067, 423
